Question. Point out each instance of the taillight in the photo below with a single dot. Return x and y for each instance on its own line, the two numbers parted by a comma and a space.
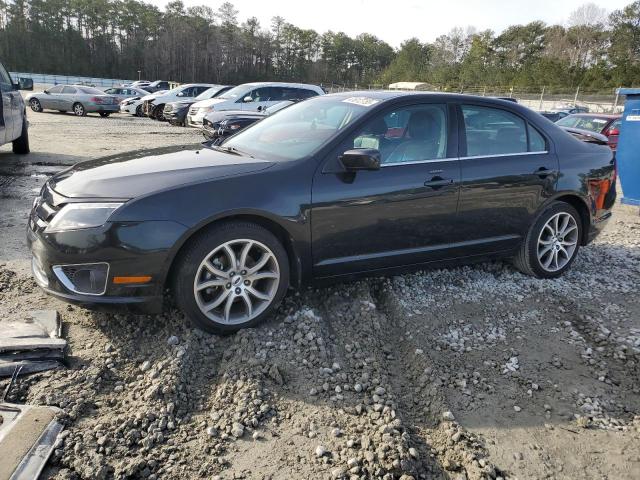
613, 131
96, 100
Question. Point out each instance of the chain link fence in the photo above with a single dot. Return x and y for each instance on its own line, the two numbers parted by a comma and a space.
537, 98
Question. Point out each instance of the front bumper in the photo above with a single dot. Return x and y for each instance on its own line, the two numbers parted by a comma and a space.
195, 119
175, 117
129, 249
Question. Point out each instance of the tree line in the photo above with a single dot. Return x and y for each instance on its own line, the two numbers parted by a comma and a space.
118, 38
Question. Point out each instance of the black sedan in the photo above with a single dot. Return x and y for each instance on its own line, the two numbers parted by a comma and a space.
217, 126
359, 183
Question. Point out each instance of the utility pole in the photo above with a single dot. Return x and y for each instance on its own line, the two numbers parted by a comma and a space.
541, 98
575, 99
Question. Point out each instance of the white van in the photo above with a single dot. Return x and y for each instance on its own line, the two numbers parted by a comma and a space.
251, 96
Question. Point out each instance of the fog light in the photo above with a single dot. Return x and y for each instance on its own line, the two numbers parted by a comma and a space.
86, 278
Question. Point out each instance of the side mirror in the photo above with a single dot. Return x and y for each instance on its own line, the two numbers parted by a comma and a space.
47, 92
247, 99
360, 159
180, 94
25, 84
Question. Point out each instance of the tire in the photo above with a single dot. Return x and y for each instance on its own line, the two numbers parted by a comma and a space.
35, 105
21, 144
230, 298
79, 110
139, 111
158, 113
104, 114
549, 249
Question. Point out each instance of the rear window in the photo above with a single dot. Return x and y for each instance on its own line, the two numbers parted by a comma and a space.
592, 124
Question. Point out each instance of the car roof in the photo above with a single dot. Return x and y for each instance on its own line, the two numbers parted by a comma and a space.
281, 84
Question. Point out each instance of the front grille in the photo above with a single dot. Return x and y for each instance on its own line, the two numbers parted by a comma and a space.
87, 278
43, 210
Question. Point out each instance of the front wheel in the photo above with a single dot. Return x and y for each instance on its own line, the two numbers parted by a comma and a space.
21, 144
552, 242
139, 112
231, 276
79, 110
35, 105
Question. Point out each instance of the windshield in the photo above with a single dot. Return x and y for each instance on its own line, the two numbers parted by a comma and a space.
299, 130
235, 92
207, 94
593, 124
277, 107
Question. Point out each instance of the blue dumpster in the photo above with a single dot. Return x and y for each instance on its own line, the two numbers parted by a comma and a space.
628, 151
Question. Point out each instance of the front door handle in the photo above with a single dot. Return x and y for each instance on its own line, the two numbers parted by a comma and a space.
438, 182
544, 172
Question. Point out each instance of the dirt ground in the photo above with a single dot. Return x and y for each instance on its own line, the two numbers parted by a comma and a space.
473, 372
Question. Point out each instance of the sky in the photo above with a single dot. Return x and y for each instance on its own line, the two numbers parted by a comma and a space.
397, 20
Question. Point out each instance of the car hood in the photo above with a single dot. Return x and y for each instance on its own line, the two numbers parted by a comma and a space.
209, 102
151, 96
135, 174
215, 117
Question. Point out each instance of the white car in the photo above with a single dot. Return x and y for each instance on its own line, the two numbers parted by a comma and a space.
251, 97
154, 108
133, 106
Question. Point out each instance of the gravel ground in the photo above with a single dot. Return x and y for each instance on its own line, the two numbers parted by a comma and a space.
467, 373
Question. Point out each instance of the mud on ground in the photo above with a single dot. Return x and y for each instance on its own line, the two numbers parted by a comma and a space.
472, 372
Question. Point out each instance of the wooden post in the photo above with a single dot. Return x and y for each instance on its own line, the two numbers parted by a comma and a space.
541, 98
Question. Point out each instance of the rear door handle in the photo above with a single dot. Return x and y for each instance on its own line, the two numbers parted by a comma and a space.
438, 182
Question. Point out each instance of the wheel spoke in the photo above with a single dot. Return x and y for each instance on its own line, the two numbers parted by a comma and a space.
564, 225
247, 302
569, 230
227, 308
232, 257
544, 251
218, 282
215, 271
257, 294
261, 263
555, 224
555, 259
217, 302
244, 254
262, 275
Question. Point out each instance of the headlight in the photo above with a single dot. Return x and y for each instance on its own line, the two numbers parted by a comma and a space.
75, 216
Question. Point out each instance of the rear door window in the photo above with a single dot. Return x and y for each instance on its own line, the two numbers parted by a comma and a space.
69, 90
492, 131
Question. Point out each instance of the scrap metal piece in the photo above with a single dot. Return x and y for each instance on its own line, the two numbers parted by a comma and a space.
27, 437
34, 344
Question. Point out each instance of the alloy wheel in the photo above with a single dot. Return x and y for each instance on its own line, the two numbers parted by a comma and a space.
35, 105
78, 109
557, 242
236, 281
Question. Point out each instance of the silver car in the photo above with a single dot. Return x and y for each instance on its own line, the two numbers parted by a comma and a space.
78, 99
124, 93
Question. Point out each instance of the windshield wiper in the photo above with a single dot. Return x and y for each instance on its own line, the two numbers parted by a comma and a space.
236, 151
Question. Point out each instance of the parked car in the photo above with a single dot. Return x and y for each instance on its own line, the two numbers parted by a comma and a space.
157, 86
138, 84
176, 112
75, 98
123, 93
217, 126
154, 107
553, 116
251, 97
334, 187
14, 127
570, 109
602, 123
133, 106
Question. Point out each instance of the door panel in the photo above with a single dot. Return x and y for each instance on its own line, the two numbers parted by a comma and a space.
7, 113
502, 188
402, 214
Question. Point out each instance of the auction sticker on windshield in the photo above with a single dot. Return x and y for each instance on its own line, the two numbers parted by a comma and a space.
363, 101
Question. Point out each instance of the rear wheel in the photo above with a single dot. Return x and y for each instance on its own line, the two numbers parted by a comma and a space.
104, 114
21, 144
35, 105
552, 242
231, 277
79, 110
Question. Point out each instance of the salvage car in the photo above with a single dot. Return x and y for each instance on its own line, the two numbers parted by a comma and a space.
176, 112
251, 97
14, 127
602, 123
154, 107
337, 186
124, 93
133, 106
78, 99
217, 126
